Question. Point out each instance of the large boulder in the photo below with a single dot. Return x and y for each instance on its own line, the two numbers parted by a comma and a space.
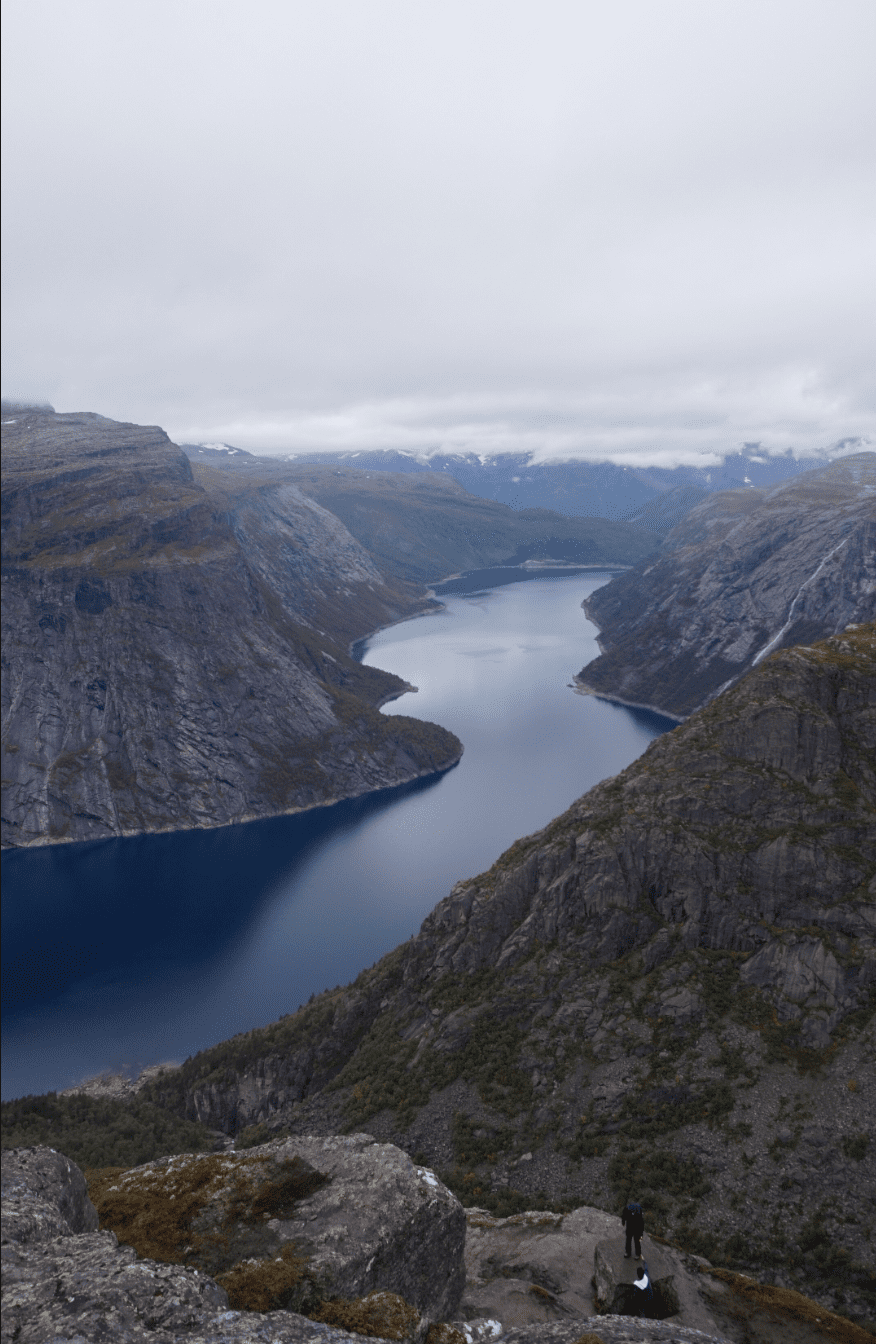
345, 1216
380, 1223
44, 1195
350, 1219
534, 1267
544, 1269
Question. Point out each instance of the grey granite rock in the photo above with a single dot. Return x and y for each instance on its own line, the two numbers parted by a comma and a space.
612, 1330
44, 1195
88, 1287
176, 650
378, 1223
747, 571
651, 968
536, 1268
532, 1268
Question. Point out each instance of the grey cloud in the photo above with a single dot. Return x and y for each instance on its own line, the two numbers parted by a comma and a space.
288, 225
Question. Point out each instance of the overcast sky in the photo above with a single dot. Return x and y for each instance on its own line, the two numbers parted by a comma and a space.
643, 229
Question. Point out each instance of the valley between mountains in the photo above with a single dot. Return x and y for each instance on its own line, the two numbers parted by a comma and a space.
176, 640
667, 994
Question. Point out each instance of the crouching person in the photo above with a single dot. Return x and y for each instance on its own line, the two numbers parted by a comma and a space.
643, 1293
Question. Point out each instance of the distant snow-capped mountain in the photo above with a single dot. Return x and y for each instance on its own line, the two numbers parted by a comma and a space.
656, 497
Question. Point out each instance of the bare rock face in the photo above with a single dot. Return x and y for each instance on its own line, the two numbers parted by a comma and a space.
539, 1268
361, 1217
746, 572
614, 1275
63, 1279
423, 526
373, 1226
381, 1222
175, 651
674, 981
533, 1267
44, 1195
88, 1287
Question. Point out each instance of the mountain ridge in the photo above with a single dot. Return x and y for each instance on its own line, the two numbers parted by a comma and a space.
165, 661
575, 487
745, 572
422, 526
662, 994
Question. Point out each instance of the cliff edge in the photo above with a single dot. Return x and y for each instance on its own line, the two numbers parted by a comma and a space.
746, 572
667, 994
176, 654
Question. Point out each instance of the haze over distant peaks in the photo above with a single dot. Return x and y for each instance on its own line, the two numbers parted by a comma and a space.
575, 488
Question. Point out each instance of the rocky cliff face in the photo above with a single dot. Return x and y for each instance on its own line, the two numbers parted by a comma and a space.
422, 527
747, 571
667, 994
175, 653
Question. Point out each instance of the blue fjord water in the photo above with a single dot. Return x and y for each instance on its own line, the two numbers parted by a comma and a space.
122, 953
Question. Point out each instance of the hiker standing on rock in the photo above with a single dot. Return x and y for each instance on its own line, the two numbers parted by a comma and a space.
634, 1221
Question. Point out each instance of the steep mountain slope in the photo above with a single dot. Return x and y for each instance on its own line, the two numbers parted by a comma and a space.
576, 488
421, 526
744, 573
668, 993
175, 654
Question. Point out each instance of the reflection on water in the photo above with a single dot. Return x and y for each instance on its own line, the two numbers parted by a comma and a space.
124, 952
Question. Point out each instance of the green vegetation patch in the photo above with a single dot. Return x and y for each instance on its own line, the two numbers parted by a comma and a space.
379, 1077
253, 1135
384, 1073
652, 1177
212, 1213
100, 1131
818, 1262
472, 1189
475, 1143
855, 1146
664, 1109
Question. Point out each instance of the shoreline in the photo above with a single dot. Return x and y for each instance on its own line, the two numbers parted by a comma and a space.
44, 842
434, 604
581, 688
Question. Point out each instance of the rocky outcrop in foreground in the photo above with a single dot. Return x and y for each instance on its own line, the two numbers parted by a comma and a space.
175, 654
746, 572
667, 994
385, 1219
274, 1230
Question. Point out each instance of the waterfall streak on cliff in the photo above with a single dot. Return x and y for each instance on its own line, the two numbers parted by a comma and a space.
776, 639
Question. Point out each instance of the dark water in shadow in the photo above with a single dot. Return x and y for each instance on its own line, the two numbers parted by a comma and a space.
122, 953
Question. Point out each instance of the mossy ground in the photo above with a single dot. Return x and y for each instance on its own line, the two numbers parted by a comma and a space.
159, 1211
379, 1315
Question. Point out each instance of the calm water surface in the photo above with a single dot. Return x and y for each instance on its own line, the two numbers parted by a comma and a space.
122, 953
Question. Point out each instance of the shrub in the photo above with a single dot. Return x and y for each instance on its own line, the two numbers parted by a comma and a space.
101, 1131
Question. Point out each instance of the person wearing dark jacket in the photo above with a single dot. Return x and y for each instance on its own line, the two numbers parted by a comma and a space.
643, 1293
633, 1220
